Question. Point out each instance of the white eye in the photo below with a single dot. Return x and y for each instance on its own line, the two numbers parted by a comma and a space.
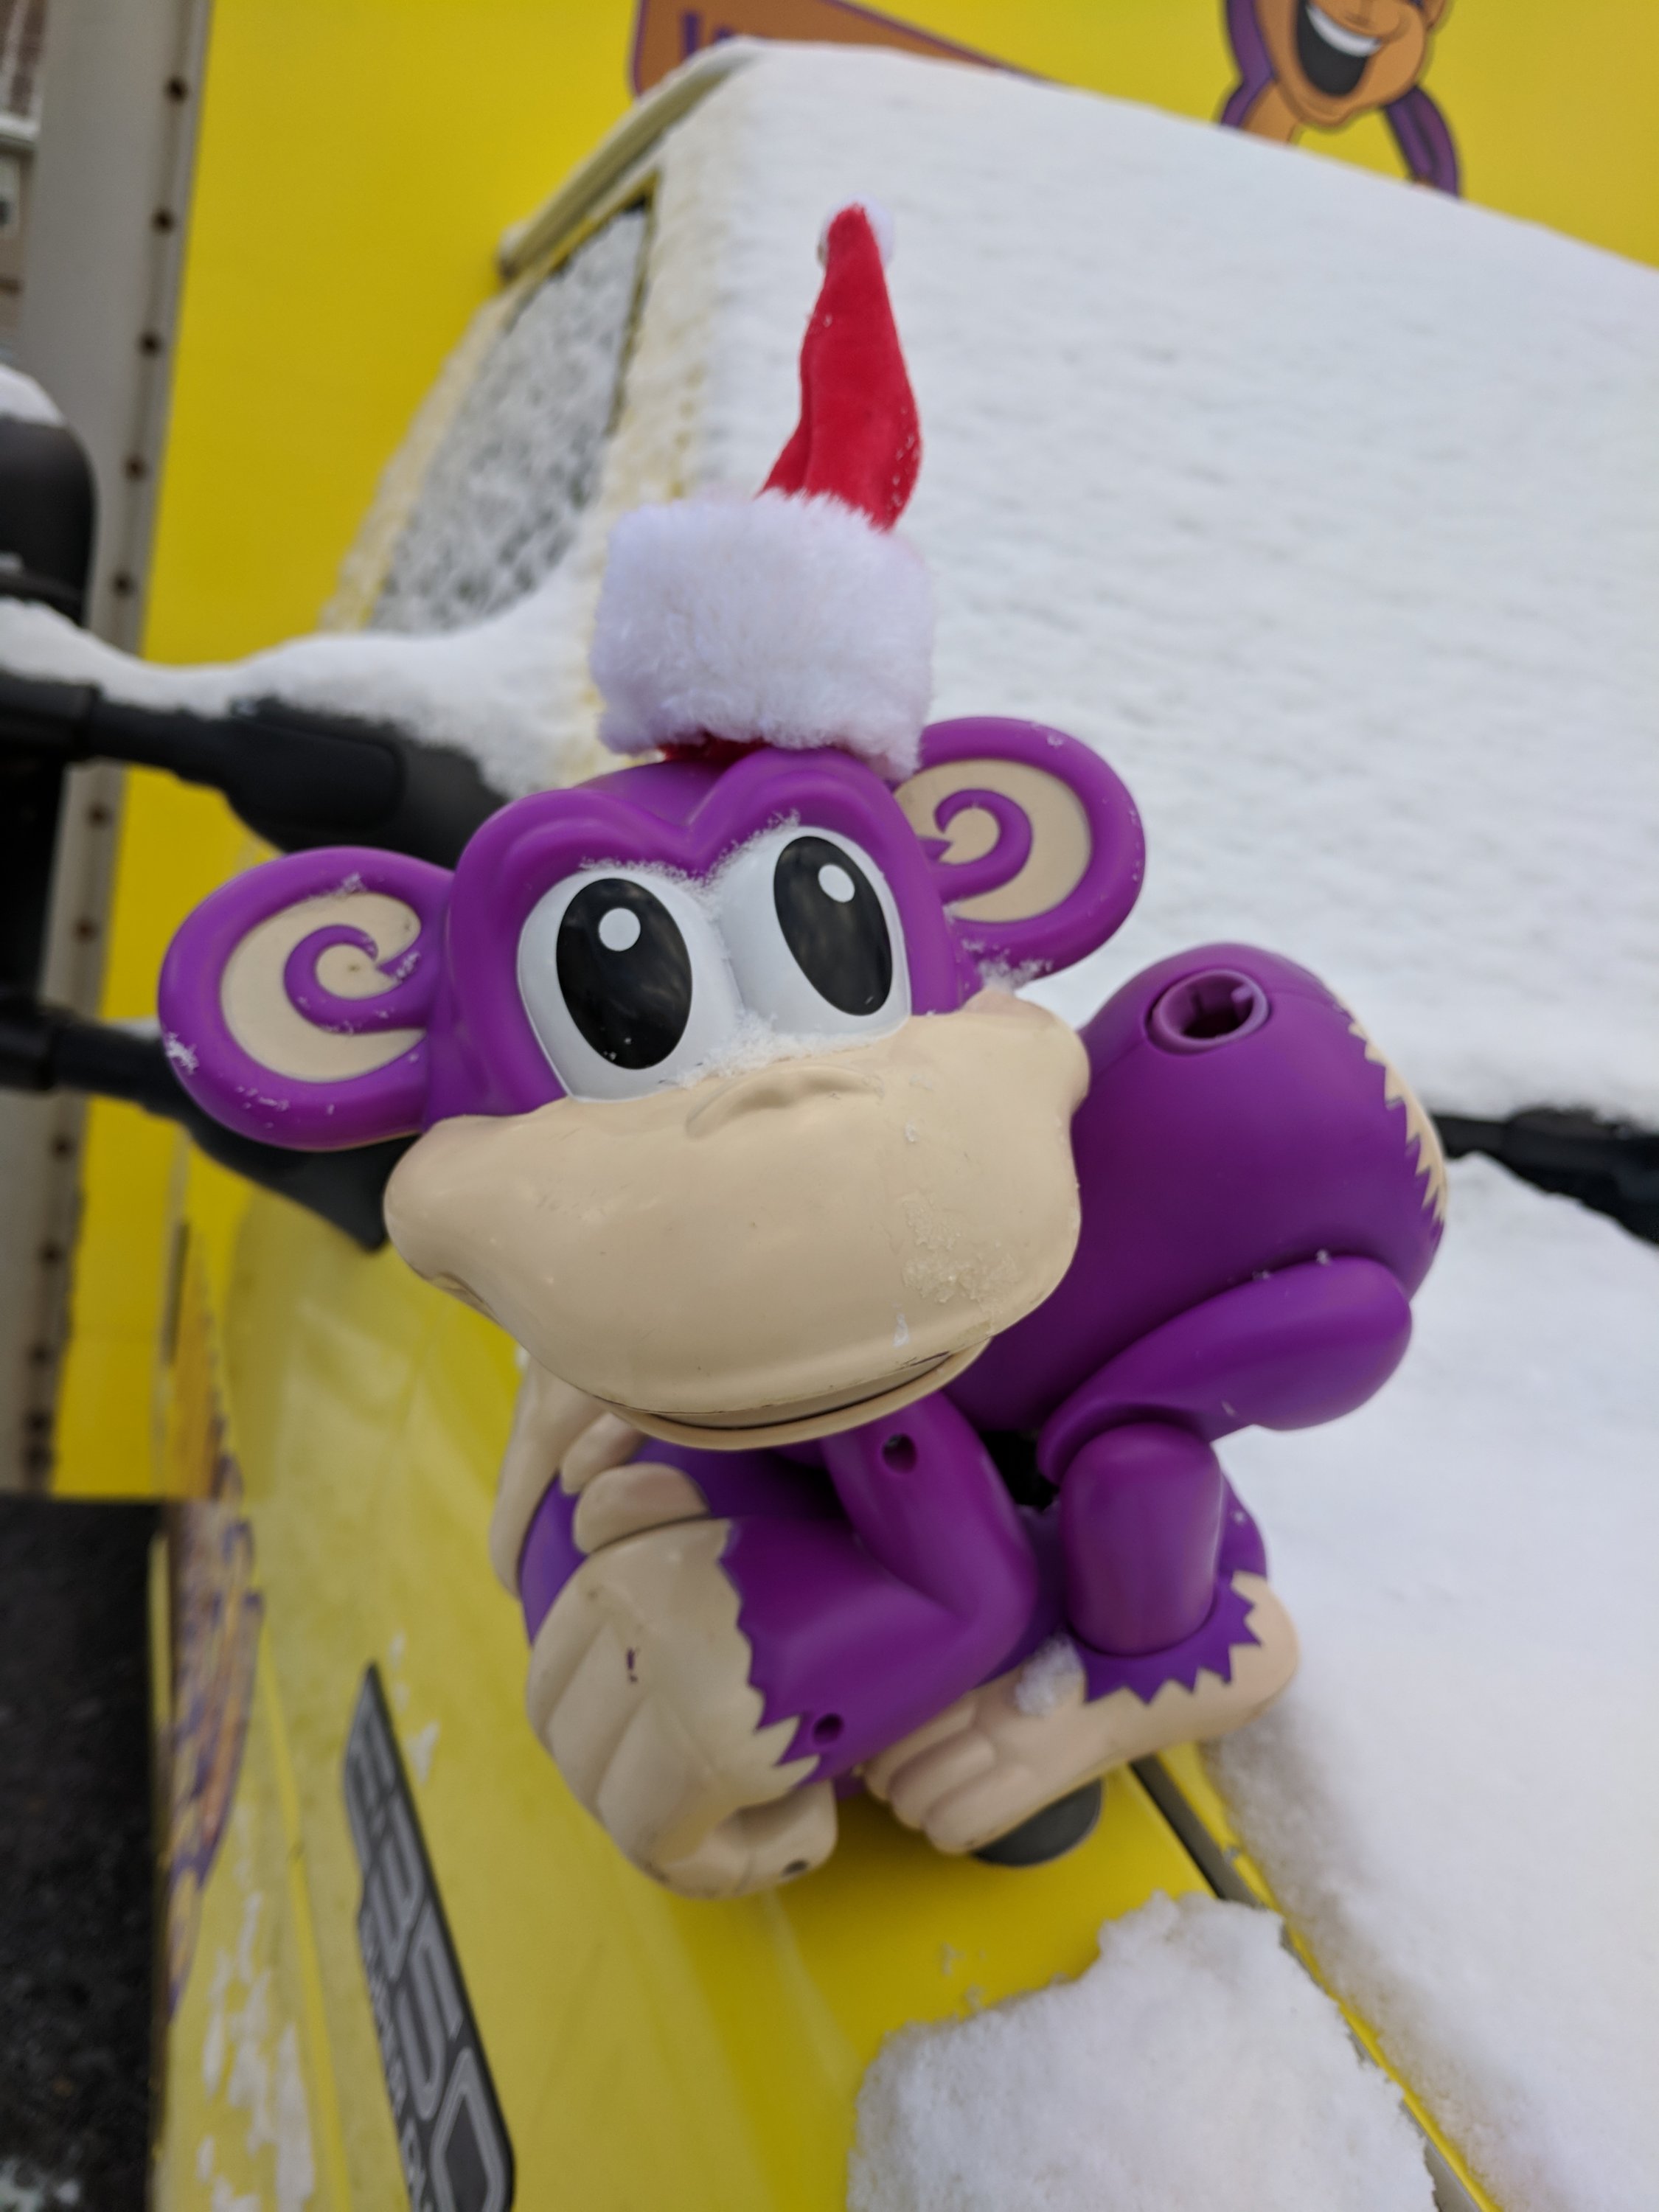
814, 935
625, 981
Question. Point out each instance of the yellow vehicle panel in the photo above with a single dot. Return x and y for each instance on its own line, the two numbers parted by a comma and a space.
644, 2048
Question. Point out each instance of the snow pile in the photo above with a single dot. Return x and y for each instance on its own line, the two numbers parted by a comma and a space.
499, 506
23, 400
1457, 1799
1327, 507
484, 690
1193, 2065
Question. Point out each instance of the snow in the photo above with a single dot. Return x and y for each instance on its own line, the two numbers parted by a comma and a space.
1049, 1676
1195, 2064
1455, 1800
484, 689
1325, 507
23, 400
24, 2188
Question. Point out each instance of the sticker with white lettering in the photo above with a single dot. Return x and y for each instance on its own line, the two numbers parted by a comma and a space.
451, 2136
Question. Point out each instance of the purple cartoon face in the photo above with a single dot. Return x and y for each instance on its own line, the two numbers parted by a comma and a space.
721, 1121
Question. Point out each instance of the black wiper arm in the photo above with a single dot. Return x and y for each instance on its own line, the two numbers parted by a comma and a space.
43, 1049
297, 777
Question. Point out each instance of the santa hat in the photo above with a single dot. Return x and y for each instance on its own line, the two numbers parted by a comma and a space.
796, 618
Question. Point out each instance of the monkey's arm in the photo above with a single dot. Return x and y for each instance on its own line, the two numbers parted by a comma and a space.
1425, 142
713, 1641
1174, 1634
1142, 1494
865, 1629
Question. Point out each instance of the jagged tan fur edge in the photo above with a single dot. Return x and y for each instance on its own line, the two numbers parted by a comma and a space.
364, 570
1419, 1129
702, 1680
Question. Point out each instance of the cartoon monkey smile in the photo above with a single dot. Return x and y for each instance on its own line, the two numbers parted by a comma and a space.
1332, 59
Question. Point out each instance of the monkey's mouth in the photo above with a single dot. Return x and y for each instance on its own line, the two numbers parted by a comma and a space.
805, 1418
1332, 59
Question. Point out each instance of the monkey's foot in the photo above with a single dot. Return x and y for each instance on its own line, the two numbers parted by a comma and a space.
1069, 1714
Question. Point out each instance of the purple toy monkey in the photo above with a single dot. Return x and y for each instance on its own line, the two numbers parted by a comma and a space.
881, 1328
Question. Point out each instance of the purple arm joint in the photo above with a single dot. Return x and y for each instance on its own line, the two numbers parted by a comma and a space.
859, 1628
866, 1631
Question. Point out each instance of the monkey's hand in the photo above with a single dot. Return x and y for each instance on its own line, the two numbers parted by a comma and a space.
639, 1688
1017, 1743
559, 1435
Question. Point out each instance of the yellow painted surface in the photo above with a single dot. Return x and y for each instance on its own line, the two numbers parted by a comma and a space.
249, 2090
646, 2050
1552, 107
358, 159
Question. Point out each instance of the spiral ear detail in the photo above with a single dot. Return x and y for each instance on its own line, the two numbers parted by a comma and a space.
295, 1000
344, 978
987, 841
280, 1011
1036, 844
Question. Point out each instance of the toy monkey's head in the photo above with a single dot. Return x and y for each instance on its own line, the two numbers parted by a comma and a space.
728, 1111
729, 1114
1336, 60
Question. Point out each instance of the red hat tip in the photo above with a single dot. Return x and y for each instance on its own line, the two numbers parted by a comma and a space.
882, 227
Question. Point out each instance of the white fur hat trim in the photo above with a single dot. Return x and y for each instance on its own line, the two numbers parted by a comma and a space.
788, 620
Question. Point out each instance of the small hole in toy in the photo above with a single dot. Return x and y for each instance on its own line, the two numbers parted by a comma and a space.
1212, 1016
794, 1867
1201, 1012
826, 1728
900, 1454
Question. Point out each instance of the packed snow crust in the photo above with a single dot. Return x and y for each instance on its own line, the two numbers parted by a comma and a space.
1325, 507
1194, 2065
1457, 1799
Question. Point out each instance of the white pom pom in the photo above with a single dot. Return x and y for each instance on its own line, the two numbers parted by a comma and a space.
880, 221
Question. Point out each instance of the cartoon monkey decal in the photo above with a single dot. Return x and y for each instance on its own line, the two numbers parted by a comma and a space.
881, 1328
1301, 65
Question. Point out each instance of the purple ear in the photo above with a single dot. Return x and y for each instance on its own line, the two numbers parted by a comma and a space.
1035, 844
295, 1001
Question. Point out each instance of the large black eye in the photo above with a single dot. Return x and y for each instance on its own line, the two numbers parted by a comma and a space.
626, 981
833, 923
625, 972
